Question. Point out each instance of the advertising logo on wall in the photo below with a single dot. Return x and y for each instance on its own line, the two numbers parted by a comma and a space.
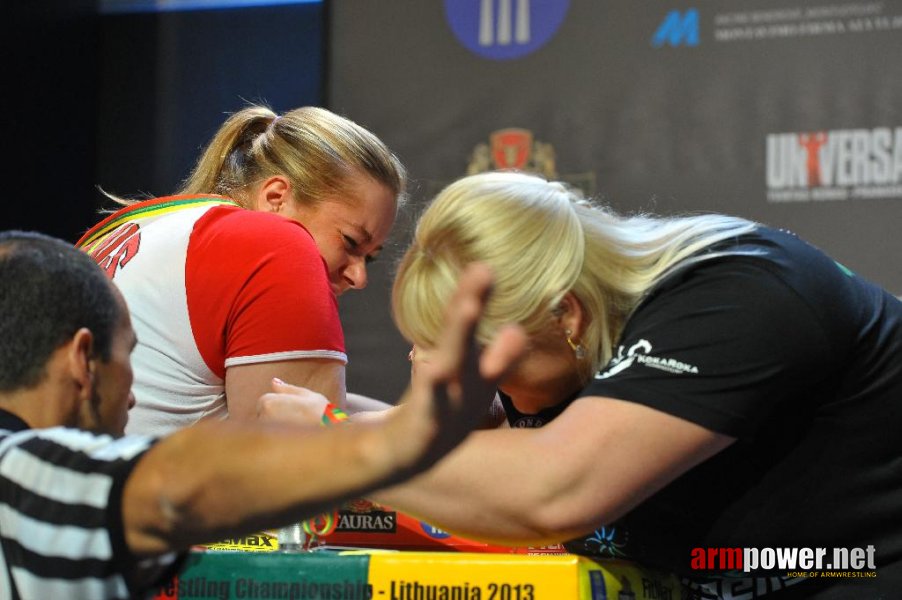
514, 148
677, 29
505, 29
683, 28
841, 164
853, 18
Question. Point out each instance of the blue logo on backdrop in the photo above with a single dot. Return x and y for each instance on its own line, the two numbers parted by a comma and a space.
677, 29
505, 29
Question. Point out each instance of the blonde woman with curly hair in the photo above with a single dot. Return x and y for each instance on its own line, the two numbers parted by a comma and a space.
692, 382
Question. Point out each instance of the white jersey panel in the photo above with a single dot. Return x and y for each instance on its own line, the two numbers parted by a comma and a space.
168, 366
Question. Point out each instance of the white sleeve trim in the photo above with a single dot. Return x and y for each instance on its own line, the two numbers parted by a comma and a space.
290, 355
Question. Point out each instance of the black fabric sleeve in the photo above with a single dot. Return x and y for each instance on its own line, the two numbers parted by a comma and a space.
725, 345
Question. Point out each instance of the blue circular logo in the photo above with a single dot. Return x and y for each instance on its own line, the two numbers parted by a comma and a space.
505, 29
434, 532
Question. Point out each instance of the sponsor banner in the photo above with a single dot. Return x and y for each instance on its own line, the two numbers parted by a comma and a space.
365, 524
754, 24
226, 575
262, 542
505, 29
843, 164
624, 580
410, 576
687, 28
375, 521
413, 576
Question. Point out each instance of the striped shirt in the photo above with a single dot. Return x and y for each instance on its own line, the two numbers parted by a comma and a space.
60, 515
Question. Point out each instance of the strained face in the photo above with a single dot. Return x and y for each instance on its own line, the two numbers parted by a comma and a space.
349, 232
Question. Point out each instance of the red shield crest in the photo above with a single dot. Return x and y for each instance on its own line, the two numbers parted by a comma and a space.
511, 148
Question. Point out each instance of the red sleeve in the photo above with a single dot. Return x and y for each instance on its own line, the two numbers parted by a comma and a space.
258, 291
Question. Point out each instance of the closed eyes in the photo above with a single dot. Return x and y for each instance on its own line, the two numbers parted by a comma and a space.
353, 247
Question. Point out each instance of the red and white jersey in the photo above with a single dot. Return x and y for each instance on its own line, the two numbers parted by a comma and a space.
209, 286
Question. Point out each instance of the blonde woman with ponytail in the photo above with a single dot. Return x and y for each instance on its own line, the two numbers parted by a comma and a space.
691, 382
233, 281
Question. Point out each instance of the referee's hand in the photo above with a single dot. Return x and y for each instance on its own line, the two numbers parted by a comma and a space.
453, 389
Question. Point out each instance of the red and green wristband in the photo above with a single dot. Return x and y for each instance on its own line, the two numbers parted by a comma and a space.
324, 524
333, 414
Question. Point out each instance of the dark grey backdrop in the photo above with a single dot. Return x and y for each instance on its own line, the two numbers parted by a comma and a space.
670, 124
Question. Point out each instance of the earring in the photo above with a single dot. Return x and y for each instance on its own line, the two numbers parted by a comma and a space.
577, 348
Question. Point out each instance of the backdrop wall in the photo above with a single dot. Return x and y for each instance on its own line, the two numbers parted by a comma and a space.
787, 113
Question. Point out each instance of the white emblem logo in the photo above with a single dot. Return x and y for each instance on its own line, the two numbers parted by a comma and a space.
640, 353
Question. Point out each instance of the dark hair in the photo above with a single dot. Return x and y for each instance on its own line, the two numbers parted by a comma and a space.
48, 290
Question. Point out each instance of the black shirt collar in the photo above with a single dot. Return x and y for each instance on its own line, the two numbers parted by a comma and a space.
517, 419
11, 422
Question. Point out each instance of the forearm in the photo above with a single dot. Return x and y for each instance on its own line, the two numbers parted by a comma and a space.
591, 465
356, 403
372, 416
504, 486
260, 478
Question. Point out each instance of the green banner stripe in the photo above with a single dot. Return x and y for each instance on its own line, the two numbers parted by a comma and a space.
274, 575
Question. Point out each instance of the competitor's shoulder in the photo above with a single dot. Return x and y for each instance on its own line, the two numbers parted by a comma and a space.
233, 224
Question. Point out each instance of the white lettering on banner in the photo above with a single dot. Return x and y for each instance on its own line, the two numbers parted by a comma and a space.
834, 158
834, 165
859, 18
374, 521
